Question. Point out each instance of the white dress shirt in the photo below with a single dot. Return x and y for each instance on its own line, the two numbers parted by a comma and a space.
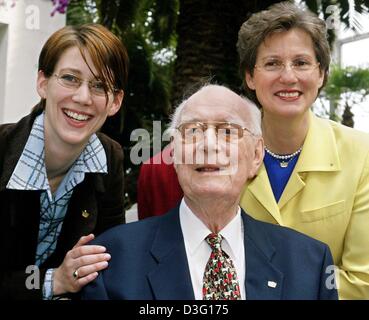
198, 250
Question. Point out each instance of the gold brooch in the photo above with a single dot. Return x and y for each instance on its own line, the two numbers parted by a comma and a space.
85, 214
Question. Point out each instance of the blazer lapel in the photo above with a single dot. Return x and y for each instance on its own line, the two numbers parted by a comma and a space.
318, 154
171, 279
17, 138
75, 223
260, 188
320, 151
263, 280
293, 187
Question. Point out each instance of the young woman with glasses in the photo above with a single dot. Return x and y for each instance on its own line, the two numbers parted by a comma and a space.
61, 181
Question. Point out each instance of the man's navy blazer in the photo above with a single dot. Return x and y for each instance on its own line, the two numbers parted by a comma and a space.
148, 262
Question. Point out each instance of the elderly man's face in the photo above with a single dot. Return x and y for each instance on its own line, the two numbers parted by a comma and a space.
211, 164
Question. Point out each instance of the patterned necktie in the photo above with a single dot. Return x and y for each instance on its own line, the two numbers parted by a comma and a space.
220, 277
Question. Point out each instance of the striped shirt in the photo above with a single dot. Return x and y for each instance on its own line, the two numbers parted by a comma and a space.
30, 174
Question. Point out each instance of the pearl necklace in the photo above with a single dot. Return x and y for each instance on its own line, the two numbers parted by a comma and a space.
284, 159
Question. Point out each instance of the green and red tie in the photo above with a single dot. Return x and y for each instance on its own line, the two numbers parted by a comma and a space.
220, 277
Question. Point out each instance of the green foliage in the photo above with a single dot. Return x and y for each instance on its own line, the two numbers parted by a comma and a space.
346, 86
347, 80
81, 12
164, 15
312, 5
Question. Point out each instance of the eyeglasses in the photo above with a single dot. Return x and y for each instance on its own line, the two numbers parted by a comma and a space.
192, 132
300, 66
71, 81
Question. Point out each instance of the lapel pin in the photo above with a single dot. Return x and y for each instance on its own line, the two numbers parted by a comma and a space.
272, 284
85, 214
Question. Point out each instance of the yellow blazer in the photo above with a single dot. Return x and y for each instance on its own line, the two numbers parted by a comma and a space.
327, 198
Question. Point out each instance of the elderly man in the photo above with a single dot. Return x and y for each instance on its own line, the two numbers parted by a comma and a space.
205, 248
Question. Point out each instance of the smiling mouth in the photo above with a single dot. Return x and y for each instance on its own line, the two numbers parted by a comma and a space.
208, 169
76, 116
288, 94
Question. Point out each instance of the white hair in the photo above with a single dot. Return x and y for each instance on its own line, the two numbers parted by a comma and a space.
253, 121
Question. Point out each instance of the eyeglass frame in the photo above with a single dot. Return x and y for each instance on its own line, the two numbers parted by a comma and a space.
283, 66
81, 81
205, 127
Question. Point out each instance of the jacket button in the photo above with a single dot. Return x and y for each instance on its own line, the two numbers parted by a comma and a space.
85, 214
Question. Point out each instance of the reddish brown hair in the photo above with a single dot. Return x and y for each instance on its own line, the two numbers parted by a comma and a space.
107, 52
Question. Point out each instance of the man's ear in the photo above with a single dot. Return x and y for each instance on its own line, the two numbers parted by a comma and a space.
258, 156
116, 104
171, 147
249, 80
42, 82
176, 151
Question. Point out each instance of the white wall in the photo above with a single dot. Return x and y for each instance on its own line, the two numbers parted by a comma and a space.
3, 59
24, 29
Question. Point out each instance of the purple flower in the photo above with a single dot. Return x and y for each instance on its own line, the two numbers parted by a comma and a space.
59, 6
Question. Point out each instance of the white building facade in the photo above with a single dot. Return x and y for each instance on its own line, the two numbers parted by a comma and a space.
25, 25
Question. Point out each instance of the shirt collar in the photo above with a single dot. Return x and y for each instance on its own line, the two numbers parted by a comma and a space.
93, 157
30, 171
195, 231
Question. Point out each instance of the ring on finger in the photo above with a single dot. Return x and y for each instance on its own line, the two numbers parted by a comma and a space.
75, 274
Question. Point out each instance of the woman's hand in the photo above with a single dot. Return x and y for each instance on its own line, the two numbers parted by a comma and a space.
80, 266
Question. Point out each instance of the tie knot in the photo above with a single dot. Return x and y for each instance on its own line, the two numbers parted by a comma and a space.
214, 240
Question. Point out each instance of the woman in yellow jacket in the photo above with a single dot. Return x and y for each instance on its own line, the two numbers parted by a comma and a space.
315, 175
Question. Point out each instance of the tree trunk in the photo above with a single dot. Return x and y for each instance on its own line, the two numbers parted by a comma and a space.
207, 36
348, 117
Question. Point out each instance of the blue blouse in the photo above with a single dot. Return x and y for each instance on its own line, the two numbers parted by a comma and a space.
278, 175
